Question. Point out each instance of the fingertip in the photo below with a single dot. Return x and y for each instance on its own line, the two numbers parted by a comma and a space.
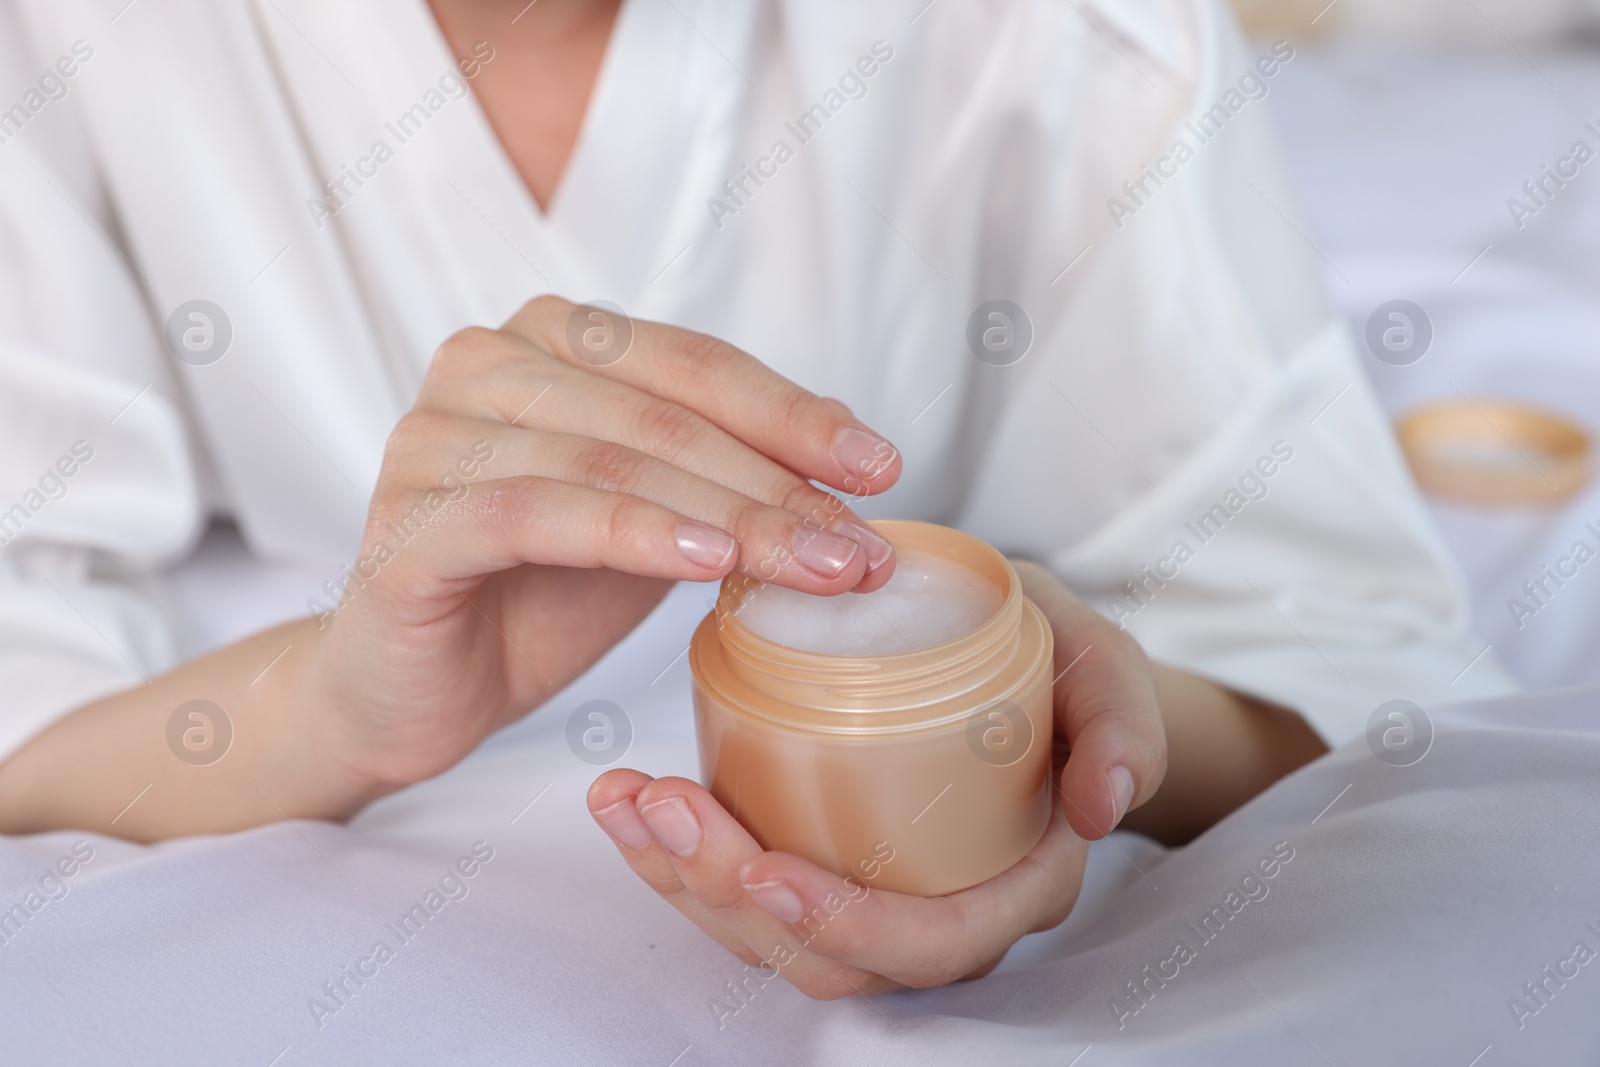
1117, 760
1120, 782
778, 898
813, 561
687, 789
787, 887
613, 786
1089, 816
678, 782
832, 558
612, 803
876, 578
767, 867
711, 551
868, 463
877, 550
812, 882
889, 475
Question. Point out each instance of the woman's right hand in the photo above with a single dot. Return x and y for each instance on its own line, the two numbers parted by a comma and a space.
532, 507
538, 501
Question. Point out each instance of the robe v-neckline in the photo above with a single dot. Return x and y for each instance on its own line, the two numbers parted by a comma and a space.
656, 131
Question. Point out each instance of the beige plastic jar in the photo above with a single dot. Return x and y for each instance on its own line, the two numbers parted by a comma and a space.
938, 758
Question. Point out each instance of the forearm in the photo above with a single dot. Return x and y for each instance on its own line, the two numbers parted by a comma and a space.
1222, 749
114, 766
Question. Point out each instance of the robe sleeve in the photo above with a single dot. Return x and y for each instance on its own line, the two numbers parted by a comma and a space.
1192, 442
97, 483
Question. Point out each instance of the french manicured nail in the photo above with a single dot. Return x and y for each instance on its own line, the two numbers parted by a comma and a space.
1121, 791
705, 545
878, 550
862, 453
779, 899
673, 824
823, 553
622, 820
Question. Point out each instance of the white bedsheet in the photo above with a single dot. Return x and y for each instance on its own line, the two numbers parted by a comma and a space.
1417, 902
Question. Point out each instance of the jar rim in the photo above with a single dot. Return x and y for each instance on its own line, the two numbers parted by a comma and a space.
956, 546
902, 690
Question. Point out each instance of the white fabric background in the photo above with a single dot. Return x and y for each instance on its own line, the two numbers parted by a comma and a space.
1415, 906
1413, 909
1406, 160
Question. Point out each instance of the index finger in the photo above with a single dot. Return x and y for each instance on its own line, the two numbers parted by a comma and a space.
813, 436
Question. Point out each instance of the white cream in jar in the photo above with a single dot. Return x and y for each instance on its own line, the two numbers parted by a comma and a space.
927, 601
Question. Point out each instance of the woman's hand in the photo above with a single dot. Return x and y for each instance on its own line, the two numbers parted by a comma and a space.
538, 501
532, 507
832, 937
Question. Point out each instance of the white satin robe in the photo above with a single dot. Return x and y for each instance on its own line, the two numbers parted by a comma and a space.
1172, 352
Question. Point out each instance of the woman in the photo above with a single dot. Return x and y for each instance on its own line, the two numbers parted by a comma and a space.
237, 233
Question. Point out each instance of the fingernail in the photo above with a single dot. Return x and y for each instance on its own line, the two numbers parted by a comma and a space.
705, 545
878, 550
821, 552
673, 824
779, 899
622, 820
862, 453
1121, 791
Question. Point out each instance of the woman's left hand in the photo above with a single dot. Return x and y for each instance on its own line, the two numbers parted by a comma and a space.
833, 938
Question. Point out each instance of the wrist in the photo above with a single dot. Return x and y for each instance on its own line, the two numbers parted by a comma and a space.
317, 760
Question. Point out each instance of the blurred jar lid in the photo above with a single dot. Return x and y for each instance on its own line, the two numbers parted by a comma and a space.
1495, 452
1480, 22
